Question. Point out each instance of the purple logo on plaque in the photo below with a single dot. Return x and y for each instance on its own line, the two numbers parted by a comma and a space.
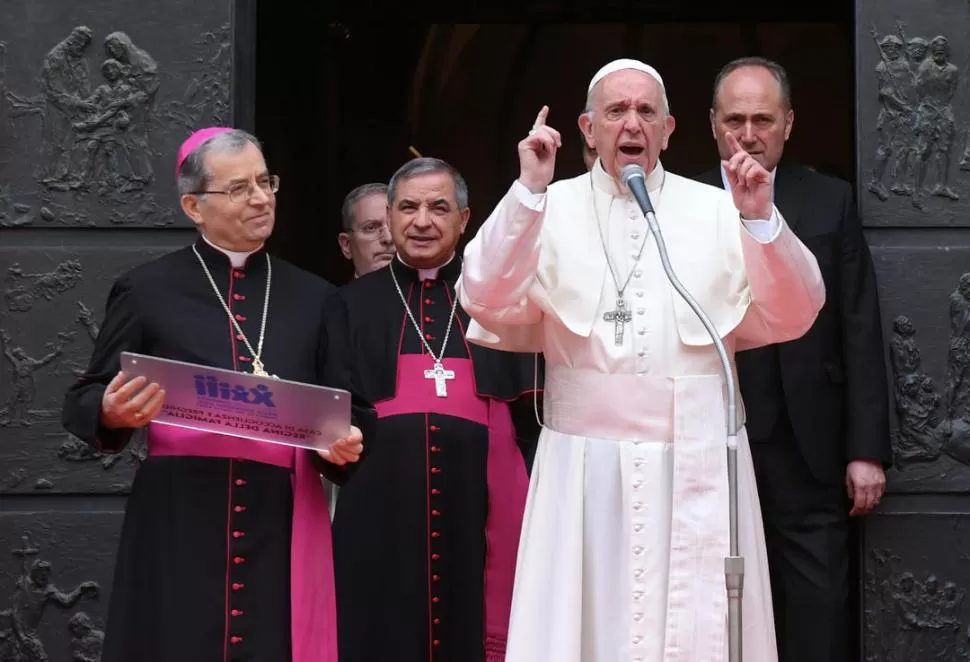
209, 386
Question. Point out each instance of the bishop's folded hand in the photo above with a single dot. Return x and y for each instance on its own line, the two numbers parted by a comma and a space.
130, 403
537, 154
345, 450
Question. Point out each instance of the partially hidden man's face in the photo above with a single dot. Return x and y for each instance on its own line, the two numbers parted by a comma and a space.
426, 221
750, 106
368, 244
235, 226
627, 123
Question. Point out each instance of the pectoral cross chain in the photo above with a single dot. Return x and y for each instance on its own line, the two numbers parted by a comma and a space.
439, 375
619, 317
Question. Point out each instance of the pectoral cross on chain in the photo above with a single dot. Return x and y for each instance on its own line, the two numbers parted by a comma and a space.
619, 317
439, 375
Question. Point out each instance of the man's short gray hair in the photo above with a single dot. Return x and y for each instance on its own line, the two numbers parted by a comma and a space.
775, 69
193, 175
355, 196
424, 166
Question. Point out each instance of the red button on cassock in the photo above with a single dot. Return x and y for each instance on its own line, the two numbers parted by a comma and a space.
435, 557
435, 470
240, 482
239, 297
428, 302
236, 640
238, 274
238, 534
435, 534
436, 642
236, 612
428, 319
435, 600
435, 513
436, 491
238, 560
435, 578
437, 621
428, 336
240, 509
245, 359
240, 318
240, 337
238, 587
435, 449
434, 428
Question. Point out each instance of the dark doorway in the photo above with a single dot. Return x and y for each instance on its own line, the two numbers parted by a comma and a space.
340, 103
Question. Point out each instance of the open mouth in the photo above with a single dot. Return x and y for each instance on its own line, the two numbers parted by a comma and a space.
632, 150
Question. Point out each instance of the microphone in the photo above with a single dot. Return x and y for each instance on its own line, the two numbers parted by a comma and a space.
635, 180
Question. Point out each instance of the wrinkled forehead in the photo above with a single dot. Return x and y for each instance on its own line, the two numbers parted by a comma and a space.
428, 187
233, 165
628, 86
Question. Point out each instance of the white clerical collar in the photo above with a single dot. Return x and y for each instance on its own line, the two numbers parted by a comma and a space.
727, 187
607, 184
236, 258
427, 274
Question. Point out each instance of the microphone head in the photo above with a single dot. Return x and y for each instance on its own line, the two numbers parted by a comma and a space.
630, 171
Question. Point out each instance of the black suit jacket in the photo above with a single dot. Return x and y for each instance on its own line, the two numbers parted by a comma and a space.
834, 377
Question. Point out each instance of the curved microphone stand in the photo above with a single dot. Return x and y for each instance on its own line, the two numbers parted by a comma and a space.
635, 180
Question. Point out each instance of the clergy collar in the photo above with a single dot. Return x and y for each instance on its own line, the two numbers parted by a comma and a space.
217, 255
449, 271
604, 182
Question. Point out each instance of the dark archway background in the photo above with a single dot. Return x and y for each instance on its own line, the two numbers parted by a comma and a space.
341, 106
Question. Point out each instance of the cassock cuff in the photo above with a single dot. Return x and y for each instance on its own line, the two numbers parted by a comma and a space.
534, 201
762, 231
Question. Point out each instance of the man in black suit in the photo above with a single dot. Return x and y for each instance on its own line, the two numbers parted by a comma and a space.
817, 407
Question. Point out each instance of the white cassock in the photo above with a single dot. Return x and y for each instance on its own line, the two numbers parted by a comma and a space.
626, 527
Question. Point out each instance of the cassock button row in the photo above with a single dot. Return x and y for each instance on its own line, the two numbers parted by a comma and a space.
238, 560
240, 482
436, 578
436, 513
640, 294
638, 573
428, 319
436, 642
240, 337
641, 311
236, 612
434, 428
236, 640
637, 596
642, 353
437, 621
435, 470
238, 297
642, 331
435, 600
238, 274
637, 273
435, 534
638, 528
238, 534
244, 359
435, 491
238, 587
435, 557
429, 283
637, 639
428, 301
240, 318
428, 336
240, 509
638, 550
634, 235
435, 449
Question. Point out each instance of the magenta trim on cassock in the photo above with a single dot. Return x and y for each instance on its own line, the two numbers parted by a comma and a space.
507, 479
312, 599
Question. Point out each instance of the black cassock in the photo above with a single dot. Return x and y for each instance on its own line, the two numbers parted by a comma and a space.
427, 523
203, 567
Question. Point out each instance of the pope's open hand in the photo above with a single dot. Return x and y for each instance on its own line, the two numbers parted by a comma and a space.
345, 450
537, 154
751, 184
130, 403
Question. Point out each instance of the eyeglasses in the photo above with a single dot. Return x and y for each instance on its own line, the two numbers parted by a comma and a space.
243, 191
373, 229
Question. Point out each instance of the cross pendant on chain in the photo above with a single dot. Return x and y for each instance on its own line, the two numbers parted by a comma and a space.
619, 317
439, 375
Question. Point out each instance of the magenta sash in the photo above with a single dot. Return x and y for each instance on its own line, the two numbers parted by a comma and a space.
312, 599
507, 480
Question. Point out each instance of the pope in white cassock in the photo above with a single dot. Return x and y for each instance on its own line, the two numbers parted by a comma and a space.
626, 527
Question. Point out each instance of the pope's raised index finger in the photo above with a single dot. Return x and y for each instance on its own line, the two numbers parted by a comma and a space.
541, 117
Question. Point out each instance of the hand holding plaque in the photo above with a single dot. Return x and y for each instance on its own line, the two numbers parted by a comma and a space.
346, 450
130, 403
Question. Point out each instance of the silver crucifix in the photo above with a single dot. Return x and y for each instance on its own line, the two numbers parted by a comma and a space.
439, 375
619, 317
